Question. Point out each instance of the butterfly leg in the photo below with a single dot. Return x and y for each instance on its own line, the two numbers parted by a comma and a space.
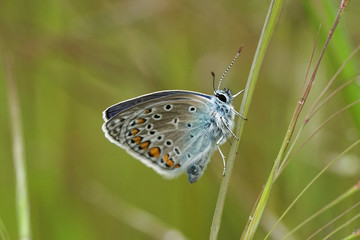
222, 155
227, 127
238, 114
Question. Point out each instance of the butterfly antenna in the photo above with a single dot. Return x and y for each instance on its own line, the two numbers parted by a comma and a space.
213, 76
228, 68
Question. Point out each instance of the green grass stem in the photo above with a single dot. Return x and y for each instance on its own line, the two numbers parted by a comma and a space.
288, 158
22, 199
350, 192
340, 50
357, 216
268, 29
311, 183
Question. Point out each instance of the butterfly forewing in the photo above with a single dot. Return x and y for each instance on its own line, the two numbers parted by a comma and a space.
115, 109
167, 135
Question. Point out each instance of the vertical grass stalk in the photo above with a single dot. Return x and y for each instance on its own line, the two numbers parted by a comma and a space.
22, 202
268, 29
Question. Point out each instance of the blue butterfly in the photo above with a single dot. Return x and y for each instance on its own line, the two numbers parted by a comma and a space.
173, 131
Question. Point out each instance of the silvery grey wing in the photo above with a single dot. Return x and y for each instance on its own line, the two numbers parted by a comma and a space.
166, 133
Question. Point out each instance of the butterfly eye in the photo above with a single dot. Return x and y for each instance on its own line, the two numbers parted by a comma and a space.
221, 97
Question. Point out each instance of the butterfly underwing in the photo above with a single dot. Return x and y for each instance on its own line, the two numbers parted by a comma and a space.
172, 131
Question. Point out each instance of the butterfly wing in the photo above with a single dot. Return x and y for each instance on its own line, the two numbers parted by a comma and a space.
122, 106
168, 131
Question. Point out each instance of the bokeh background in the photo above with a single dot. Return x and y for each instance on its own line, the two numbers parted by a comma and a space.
73, 59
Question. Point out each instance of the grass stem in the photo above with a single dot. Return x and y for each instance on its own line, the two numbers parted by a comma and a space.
268, 29
22, 202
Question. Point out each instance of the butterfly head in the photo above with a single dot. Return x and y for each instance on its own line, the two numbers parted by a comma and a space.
224, 96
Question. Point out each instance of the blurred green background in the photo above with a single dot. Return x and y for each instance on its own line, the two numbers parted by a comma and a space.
73, 59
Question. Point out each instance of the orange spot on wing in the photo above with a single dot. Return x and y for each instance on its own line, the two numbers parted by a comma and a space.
154, 152
134, 131
140, 120
145, 145
169, 162
177, 165
147, 111
165, 158
137, 139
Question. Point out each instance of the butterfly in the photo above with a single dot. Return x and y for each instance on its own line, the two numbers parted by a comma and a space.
173, 131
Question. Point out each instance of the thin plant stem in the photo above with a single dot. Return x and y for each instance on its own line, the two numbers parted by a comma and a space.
302, 100
22, 199
266, 191
345, 84
342, 226
311, 60
311, 183
315, 105
256, 215
342, 47
297, 113
263, 44
287, 157
286, 162
333, 220
354, 189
